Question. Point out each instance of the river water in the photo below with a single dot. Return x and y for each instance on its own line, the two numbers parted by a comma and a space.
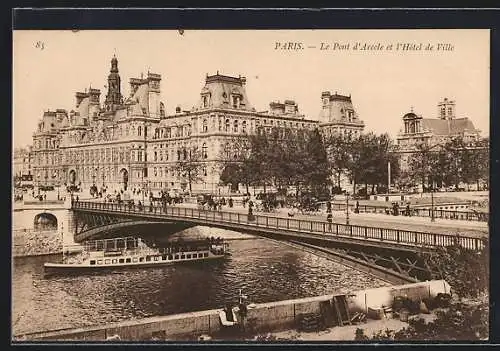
265, 270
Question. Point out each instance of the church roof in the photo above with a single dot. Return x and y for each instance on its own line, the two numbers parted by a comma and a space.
448, 127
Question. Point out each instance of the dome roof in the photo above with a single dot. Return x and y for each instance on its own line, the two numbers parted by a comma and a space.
410, 115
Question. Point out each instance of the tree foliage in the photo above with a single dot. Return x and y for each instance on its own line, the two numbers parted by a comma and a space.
458, 322
279, 158
467, 271
364, 159
450, 163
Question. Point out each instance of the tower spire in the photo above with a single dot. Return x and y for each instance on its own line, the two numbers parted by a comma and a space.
114, 95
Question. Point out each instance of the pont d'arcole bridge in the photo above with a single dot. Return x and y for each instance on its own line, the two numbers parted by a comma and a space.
392, 254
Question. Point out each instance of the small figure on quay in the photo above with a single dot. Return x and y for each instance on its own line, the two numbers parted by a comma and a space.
251, 217
329, 218
395, 209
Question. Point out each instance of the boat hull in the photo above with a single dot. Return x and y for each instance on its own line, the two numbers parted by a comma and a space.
63, 268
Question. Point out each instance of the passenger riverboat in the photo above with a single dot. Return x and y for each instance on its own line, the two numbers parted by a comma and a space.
133, 252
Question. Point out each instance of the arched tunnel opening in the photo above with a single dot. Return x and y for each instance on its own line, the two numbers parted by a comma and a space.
45, 221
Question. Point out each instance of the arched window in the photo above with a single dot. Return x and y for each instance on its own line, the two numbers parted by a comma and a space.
244, 127
168, 132
185, 154
204, 151
156, 156
205, 171
155, 171
205, 126
139, 130
227, 126
235, 127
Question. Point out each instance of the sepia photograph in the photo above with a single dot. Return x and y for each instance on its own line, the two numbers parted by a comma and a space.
250, 185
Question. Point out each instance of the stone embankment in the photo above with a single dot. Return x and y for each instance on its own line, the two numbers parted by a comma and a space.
29, 242
260, 318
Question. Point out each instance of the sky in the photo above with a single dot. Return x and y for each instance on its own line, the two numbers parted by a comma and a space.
384, 82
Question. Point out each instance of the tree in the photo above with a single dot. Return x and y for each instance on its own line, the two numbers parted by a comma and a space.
458, 322
190, 165
421, 163
477, 167
467, 271
316, 161
338, 151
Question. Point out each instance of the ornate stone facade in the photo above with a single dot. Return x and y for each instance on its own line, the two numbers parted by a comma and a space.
22, 161
339, 116
433, 131
131, 142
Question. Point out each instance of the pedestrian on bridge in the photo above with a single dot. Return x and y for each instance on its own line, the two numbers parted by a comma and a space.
329, 218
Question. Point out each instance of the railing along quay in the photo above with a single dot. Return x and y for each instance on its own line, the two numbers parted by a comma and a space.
404, 237
419, 212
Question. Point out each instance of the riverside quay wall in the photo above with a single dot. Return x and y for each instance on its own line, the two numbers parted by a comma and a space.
265, 317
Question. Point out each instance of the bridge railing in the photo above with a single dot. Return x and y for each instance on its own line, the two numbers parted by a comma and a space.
399, 236
419, 212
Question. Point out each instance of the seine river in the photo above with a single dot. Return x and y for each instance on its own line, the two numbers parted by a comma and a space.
265, 271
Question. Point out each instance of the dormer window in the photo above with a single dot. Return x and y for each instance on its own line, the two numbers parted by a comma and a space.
236, 101
205, 101
162, 109
350, 115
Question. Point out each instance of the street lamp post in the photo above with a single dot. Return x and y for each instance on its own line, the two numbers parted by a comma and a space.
347, 208
432, 201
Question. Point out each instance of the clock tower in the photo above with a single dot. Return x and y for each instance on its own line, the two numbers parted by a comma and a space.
114, 96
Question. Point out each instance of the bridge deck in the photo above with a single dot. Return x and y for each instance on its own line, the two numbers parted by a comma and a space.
403, 239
